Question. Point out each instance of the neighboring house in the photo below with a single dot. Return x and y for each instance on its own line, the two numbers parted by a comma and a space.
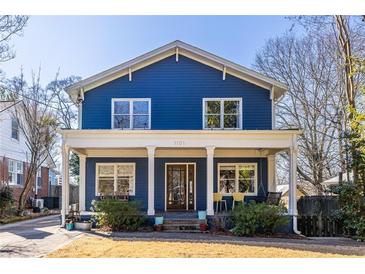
334, 181
173, 126
14, 155
303, 189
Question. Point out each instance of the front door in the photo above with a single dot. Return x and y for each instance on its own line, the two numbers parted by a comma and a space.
180, 184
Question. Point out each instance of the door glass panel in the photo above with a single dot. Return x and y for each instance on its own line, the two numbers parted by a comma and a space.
176, 187
191, 187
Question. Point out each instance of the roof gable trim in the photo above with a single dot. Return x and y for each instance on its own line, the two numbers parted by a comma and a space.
177, 47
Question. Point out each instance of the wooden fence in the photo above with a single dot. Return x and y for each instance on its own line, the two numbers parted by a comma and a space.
315, 216
319, 226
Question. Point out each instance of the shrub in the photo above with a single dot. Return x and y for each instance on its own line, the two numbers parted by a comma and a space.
253, 218
6, 199
118, 215
351, 212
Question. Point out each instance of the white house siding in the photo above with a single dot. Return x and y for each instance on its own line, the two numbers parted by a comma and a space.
9, 147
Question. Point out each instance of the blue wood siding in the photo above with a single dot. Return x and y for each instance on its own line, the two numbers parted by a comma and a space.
141, 191
176, 90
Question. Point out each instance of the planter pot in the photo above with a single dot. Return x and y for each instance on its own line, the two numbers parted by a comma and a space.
84, 226
158, 220
203, 227
202, 215
158, 227
70, 226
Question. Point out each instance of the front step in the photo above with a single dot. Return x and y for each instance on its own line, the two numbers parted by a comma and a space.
182, 225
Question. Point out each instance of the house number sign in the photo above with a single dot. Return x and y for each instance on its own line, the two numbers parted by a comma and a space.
179, 143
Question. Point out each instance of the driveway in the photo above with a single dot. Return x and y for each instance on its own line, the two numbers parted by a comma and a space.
34, 238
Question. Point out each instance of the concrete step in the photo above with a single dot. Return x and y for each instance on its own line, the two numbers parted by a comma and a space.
182, 225
184, 231
184, 221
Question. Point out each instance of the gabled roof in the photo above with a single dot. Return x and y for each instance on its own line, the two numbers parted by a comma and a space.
178, 48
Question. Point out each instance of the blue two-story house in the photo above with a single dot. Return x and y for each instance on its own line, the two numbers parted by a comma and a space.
173, 126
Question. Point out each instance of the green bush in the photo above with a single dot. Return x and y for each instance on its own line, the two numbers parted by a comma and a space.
118, 215
6, 199
253, 218
351, 212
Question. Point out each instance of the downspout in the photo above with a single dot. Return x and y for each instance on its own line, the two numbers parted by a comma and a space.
293, 166
295, 225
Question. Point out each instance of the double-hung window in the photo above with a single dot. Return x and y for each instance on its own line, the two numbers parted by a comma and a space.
15, 172
39, 178
237, 177
14, 129
131, 113
222, 113
115, 179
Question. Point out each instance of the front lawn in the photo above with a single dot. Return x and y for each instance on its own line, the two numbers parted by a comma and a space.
94, 247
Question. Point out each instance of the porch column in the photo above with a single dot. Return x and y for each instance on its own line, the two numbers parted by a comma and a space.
292, 181
82, 184
210, 171
151, 180
65, 182
271, 173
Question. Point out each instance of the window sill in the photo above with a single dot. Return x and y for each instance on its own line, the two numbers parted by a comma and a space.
16, 186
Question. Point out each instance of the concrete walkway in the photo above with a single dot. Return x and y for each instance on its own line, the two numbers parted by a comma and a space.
34, 238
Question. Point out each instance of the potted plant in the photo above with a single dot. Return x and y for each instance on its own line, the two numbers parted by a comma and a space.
83, 225
158, 227
158, 223
202, 214
69, 225
203, 227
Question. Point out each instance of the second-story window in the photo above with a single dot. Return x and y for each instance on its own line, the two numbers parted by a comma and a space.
131, 113
14, 129
222, 113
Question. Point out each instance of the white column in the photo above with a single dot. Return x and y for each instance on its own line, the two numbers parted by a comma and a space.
65, 182
293, 181
151, 180
210, 171
82, 184
271, 173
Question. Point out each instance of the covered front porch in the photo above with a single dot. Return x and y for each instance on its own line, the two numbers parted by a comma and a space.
176, 171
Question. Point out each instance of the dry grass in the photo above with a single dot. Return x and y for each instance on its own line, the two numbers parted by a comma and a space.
92, 247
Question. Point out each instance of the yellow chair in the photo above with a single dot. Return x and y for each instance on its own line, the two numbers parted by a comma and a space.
218, 199
237, 197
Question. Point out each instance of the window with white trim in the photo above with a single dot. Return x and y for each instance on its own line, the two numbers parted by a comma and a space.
237, 177
15, 172
115, 179
14, 129
39, 178
131, 113
222, 113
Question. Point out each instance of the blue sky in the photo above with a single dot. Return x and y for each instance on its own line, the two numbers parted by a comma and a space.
85, 45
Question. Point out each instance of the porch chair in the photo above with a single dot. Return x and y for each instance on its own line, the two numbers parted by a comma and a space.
273, 198
218, 199
237, 197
